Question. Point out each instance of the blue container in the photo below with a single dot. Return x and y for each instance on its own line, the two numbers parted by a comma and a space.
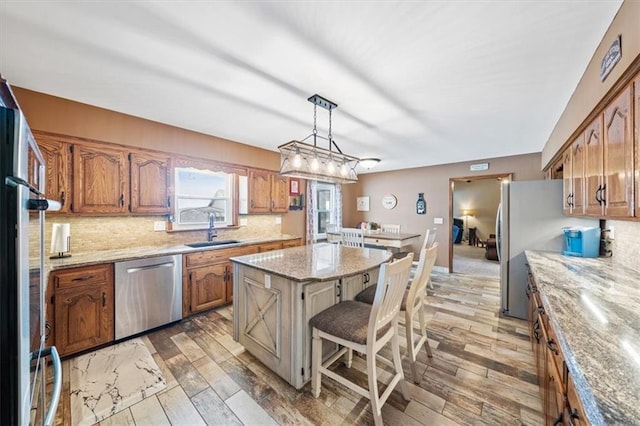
582, 241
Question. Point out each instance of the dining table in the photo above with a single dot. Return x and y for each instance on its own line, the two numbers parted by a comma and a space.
390, 240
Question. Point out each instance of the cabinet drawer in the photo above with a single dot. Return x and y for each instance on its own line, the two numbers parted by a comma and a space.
292, 243
556, 359
270, 246
208, 257
82, 276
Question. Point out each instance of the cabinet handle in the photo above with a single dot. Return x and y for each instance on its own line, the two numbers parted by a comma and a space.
572, 197
558, 420
551, 346
598, 199
273, 204
88, 277
251, 203
62, 198
121, 200
47, 329
339, 291
536, 330
602, 194
169, 201
574, 415
104, 299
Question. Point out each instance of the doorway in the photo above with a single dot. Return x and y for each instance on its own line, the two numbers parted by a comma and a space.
473, 203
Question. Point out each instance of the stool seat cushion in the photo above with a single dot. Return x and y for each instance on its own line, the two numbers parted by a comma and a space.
368, 294
347, 320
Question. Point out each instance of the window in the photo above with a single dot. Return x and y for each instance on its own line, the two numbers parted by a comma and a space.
200, 193
326, 208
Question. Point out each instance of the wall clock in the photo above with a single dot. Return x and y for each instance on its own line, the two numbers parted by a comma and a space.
389, 201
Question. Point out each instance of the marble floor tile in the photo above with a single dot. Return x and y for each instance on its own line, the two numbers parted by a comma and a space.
111, 379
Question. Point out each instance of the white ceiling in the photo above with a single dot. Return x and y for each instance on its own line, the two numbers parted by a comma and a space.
416, 82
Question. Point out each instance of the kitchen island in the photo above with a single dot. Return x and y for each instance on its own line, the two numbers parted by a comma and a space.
276, 293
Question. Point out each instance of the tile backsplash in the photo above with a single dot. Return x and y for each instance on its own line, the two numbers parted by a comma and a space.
103, 233
626, 244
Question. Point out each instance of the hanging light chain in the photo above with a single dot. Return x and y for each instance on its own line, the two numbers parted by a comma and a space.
329, 135
315, 129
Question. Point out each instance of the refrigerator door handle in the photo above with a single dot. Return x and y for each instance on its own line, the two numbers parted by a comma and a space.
498, 232
57, 383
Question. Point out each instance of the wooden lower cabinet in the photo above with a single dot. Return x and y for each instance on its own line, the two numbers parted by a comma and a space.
82, 308
207, 278
560, 401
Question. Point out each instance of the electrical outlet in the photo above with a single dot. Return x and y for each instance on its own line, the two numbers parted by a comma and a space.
438, 220
244, 222
278, 220
612, 235
267, 281
158, 225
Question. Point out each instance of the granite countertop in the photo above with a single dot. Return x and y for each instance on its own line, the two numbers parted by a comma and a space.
317, 262
594, 308
118, 255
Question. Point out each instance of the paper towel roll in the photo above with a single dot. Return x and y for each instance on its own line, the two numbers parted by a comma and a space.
60, 237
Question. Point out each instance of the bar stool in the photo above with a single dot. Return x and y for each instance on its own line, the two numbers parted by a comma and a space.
367, 329
412, 303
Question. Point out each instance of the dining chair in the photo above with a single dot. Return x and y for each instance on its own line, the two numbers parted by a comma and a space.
412, 303
352, 237
365, 328
391, 229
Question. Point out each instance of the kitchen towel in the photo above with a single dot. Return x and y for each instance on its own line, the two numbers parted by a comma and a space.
60, 238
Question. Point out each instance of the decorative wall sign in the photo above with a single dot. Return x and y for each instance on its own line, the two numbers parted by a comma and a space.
362, 204
389, 201
294, 186
611, 58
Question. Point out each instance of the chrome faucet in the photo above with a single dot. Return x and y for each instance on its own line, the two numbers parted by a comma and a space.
212, 229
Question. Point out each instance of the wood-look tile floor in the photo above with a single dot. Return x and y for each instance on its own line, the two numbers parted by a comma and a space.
482, 372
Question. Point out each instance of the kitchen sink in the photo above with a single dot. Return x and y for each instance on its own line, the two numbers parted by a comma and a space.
212, 243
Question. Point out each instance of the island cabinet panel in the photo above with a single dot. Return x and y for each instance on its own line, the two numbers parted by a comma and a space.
150, 184
57, 158
82, 307
351, 286
100, 180
617, 192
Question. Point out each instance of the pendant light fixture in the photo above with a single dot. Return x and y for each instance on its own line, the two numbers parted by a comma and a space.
304, 160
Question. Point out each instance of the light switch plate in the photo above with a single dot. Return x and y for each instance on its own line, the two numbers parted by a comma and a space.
158, 225
438, 220
278, 220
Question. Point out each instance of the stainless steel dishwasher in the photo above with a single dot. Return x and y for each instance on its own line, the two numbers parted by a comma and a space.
148, 294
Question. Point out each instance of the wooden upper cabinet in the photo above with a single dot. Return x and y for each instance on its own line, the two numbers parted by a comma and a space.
578, 162
150, 184
268, 192
636, 108
57, 158
279, 194
259, 191
617, 192
593, 167
100, 180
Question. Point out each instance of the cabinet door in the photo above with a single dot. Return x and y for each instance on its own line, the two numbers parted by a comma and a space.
150, 184
57, 158
83, 317
351, 286
578, 175
636, 108
279, 194
317, 298
567, 180
208, 287
259, 191
593, 167
100, 180
277, 245
617, 195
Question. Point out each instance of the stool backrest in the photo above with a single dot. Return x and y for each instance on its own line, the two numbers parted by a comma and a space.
418, 286
392, 283
352, 237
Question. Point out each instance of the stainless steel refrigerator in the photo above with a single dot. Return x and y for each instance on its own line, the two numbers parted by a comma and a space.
23, 356
529, 217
